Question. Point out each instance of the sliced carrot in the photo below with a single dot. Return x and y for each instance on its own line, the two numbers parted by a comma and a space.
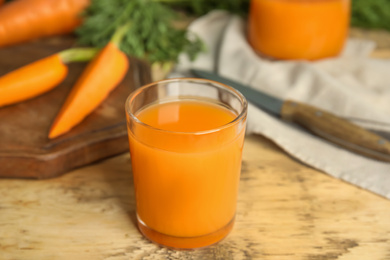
23, 20
99, 78
32, 80
40, 76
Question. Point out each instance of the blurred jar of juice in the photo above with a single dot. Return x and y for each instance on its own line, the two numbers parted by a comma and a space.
298, 29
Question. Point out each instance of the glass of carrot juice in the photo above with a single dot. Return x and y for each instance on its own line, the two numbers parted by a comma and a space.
298, 29
186, 138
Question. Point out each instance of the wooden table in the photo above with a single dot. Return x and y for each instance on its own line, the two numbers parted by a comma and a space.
285, 210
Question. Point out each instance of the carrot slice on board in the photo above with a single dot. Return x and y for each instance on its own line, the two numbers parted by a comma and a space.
98, 79
40, 76
32, 80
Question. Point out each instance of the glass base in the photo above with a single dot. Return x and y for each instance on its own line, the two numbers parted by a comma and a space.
185, 242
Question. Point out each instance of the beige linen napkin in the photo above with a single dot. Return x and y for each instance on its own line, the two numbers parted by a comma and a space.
351, 85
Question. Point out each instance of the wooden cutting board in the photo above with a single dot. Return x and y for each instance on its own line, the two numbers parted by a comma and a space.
25, 149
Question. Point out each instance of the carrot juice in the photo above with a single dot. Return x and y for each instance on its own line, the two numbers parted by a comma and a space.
186, 161
298, 29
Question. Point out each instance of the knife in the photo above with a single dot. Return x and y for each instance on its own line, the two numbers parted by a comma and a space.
318, 121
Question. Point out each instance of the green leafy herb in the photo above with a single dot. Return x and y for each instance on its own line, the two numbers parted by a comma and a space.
371, 14
200, 7
151, 34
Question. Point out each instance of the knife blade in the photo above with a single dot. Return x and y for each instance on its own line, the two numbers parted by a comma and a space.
318, 121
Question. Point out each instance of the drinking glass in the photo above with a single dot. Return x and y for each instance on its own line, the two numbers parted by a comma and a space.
186, 138
298, 29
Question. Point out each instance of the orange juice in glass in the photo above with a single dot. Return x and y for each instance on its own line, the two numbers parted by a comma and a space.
186, 138
298, 29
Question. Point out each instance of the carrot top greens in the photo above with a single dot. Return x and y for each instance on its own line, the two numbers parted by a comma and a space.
151, 34
373, 14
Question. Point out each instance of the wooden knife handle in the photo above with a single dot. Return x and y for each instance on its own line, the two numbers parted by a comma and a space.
337, 130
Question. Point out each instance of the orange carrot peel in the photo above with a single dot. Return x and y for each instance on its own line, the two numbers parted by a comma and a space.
99, 78
40, 76
24, 20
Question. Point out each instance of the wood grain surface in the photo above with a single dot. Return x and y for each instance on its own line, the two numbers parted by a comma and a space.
25, 149
285, 211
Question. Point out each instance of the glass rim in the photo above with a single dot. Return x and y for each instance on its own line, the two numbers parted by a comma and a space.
220, 85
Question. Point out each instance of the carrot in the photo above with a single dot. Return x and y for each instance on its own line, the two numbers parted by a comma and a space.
40, 76
23, 20
1, 2
98, 79
32, 80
